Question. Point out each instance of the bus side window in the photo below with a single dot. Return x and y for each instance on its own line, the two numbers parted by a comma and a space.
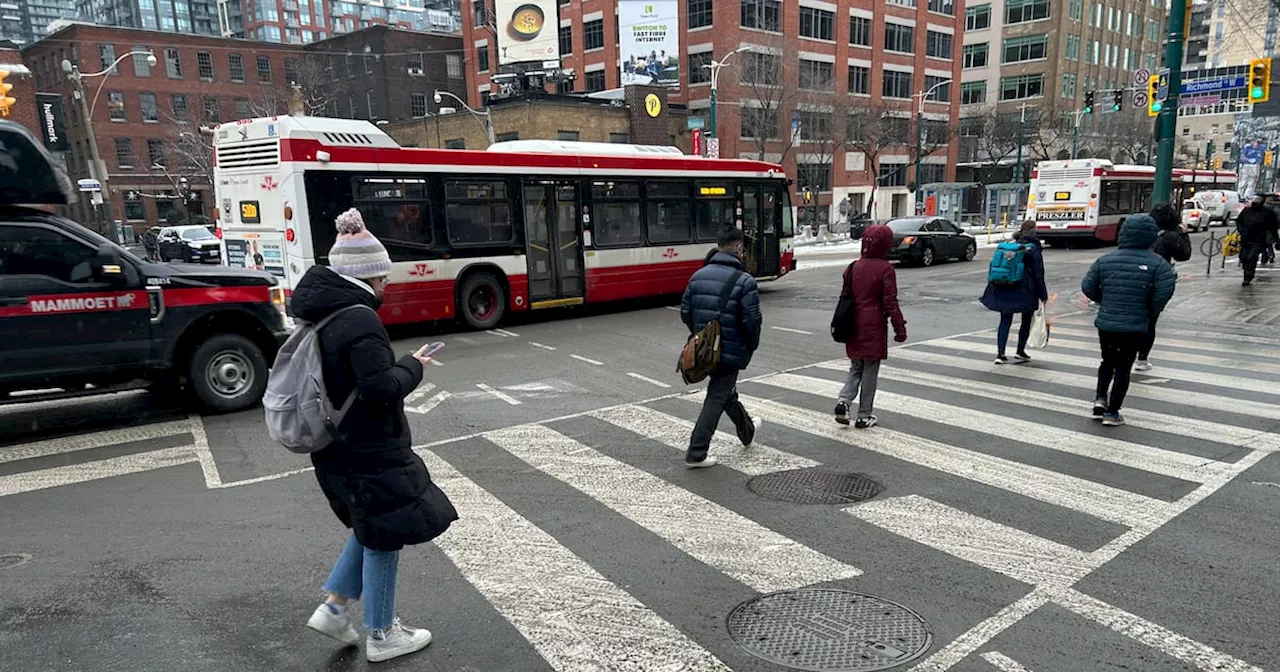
478, 212
669, 212
616, 206
715, 209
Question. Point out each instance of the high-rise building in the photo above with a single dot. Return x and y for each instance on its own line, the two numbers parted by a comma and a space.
190, 17
307, 21
25, 21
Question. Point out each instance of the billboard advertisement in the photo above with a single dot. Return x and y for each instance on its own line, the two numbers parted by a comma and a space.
650, 41
53, 122
528, 30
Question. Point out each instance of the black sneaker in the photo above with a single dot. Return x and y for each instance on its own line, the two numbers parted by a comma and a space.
1099, 407
842, 413
1021, 358
1001, 359
1113, 420
865, 423
747, 434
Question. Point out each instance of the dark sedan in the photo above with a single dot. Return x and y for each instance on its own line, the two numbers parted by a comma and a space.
925, 240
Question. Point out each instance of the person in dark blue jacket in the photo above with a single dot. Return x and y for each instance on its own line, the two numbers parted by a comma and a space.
1023, 298
740, 324
1130, 285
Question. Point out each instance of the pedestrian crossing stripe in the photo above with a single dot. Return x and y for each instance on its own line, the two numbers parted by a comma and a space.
1254, 364
1243, 350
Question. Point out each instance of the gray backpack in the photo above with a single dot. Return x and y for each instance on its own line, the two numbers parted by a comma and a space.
299, 414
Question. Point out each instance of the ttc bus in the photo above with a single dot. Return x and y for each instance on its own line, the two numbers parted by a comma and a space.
1086, 200
475, 234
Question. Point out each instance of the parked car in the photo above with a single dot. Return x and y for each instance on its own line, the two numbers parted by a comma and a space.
1194, 217
192, 244
924, 240
1223, 205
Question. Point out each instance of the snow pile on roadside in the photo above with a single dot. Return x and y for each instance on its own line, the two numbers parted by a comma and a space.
845, 246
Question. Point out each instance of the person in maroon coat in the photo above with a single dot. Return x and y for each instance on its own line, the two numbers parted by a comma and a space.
873, 284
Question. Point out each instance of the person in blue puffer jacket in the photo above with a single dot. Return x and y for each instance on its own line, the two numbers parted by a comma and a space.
740, 324
1130, 286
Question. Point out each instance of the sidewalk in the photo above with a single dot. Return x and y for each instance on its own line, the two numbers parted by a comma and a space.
1218, 299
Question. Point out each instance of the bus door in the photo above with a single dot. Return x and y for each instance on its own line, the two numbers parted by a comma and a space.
553, 240
761, 216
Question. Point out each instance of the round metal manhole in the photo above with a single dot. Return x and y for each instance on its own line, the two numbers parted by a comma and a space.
821, 630
815, 485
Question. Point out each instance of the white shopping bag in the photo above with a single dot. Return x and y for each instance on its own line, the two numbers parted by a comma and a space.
1039, 337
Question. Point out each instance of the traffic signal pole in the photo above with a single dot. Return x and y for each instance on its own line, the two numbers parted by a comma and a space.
1167, 122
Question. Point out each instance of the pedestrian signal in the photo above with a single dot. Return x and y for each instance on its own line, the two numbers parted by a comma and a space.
1259, 80
6, 101
1117, 100
1268, 157
1088, 102
1154, 105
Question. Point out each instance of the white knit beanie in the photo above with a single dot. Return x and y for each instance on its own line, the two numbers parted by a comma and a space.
357, 252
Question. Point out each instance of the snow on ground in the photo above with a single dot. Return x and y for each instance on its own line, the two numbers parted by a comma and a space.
839, 252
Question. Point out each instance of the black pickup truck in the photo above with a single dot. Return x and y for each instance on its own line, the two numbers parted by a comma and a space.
80, 315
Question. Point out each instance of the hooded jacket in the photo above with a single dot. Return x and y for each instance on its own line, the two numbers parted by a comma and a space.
1172, 244
1026, 296
374, 482
873, 284
741, 320
1255, 223
1132, 284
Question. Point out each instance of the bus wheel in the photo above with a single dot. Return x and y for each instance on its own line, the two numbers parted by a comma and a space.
482, 302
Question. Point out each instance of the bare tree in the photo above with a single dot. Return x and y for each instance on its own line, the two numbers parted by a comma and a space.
874, 130
769, 80
988, 141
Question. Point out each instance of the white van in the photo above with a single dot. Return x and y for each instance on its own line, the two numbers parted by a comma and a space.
1223, 206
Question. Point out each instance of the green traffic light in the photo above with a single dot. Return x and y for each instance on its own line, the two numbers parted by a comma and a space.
1255, 92
1157, 106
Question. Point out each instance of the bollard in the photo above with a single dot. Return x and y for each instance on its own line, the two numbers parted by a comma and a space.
991, 224
1208, 264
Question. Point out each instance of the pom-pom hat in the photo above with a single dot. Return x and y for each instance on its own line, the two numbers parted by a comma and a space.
357, 252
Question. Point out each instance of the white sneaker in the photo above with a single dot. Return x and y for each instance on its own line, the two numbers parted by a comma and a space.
337, 626
1142, 365
397, 640
708, 461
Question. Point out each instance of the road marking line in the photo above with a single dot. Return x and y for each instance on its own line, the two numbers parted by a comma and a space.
1151, 381
422, 391
674, 432
501, 395
70, 474
758, 557
1078, 494
1005, 663
1202, 344
436, 362
588, 360
539, 345
1215, 402
647, 379
430, 404
1209, 335
1153, 635
1185, 375
502, 332
793, 331
672, 307
1178, 357
561, 605
990, 545
1137, 456
200, 441
110, 437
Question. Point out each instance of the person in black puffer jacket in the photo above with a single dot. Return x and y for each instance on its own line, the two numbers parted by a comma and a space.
1257, 225
375, 483
740, 325
1173, 245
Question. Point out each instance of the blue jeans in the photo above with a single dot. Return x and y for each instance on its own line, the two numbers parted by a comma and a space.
373, 573
1024, 331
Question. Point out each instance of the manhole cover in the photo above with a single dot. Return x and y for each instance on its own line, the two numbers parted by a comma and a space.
823, 630
815, 485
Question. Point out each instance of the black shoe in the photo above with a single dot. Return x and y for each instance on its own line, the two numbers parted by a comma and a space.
1099, 407
866, 423
747, 434
842, 413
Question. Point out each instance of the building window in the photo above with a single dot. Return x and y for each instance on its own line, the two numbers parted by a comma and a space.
761, 69
1075, 10
178, 102
1071, 51
564, 87
699, 13
264, 70
133, 209
975, 55
479, 15
1068, 85
418, 104
173, 63
566, 41
942, 94
107, 54
482, 57
947, 7
815, 126
860, 31
150, 108
212, 112
932, 173
368, 104
816, 75
204, 65
156, 153
595, 81
507, 137
899, 38
242, 108
291, 69
859, 79
973, 93
762, 15
115, 106
817, 23
453, 66
124, 152
141, 68
759, 122
938, 45
896, 84
593, 35
620, 138
1022, 86
700, 68
235, 63
569, 136
1026, 48
977, 17
892, 175
456, 143
1019, 11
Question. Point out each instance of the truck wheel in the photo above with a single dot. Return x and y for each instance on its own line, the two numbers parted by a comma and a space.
228, 372
482, 301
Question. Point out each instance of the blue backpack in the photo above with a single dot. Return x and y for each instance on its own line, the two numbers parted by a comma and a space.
1008, 265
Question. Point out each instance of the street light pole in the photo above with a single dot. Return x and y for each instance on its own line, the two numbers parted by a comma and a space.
715, 67
1075, 133
924, 95
487, 115
1167, 121
1022, 119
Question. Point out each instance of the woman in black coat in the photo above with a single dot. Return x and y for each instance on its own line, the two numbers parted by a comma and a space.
1023, 298
375, 483
1173, 245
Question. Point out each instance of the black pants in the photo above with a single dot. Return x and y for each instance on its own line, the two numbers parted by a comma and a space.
722, 397
1145, 350
1119, 349
1249, 253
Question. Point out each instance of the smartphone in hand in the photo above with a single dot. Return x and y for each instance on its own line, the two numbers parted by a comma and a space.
429, 349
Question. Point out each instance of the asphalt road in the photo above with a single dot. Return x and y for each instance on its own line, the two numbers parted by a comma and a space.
138, 537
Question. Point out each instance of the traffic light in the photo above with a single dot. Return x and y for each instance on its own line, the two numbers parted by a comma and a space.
1153, 88
1088, 102
1117, 100
1217, 163
1259, 80
1268, 157
6, 101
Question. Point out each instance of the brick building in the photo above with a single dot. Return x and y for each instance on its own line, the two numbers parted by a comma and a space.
385, 73
821, 65
148, 119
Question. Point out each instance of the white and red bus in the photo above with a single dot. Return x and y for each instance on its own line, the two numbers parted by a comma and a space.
474, 234
1085, 200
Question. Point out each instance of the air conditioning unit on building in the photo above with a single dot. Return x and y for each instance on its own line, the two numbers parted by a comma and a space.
416, 72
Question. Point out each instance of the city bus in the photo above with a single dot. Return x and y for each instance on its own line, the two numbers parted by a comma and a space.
476, 235
1085, 200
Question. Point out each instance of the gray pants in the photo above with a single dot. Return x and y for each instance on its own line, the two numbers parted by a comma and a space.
722, 398
864, 374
